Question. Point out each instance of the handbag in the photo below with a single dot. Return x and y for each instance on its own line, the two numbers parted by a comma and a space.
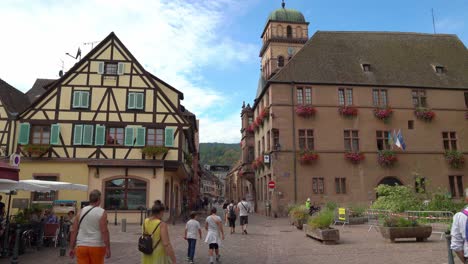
145, 242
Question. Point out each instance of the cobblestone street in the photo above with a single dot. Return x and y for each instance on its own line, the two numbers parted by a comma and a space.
273, 241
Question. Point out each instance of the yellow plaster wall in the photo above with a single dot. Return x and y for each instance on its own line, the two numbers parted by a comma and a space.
95, 79
160, 107
79, 79
145, 118
68, 116
124, 81
137, 81
118, 55
173, 96
121, 97
65, 97
106, 55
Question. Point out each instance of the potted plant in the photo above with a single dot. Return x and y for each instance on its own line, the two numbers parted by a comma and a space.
383, 114
399, 227
305, 110
307, 156
387, 158
348, 111
318, 227
299, 215
424, 114
153, 151
354, 157
455, 158
33, 149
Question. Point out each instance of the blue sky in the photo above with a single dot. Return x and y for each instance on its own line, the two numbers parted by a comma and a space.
207, 49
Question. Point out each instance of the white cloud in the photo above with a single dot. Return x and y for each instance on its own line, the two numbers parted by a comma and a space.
226, 130
173, 39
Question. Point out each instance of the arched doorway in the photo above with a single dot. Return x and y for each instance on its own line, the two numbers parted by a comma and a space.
392, 181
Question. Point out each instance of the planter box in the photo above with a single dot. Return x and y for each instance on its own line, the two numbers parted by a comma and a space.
299, 224
358, 220
326, 236
421, 233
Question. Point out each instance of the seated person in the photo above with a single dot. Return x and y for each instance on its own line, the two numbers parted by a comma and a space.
50, 218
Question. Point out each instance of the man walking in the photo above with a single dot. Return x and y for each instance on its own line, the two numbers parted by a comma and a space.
90, 234
459, 243
243, 208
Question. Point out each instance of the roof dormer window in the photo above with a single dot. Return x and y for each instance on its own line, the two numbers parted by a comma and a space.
439, 69
366, 67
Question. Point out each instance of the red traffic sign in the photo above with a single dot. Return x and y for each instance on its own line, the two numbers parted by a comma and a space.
271, 184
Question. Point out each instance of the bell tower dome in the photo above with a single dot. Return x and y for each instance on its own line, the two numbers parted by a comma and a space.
286, 31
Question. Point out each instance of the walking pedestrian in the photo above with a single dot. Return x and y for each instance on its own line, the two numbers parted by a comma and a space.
90, 234
459, 231
191, 229
214, 226
225, 205
231, 208
162, 248
243, 208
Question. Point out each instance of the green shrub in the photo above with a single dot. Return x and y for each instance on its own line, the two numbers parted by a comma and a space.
299, 213
331, 206
442, 202
153, 151
357, 211
322, 220
398, 221
397, 199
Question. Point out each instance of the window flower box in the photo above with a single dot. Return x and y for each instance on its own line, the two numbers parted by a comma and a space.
255, 125
305, 110
254, 165
33, 149
307, 156
455, 159
259, 121
383, 114
387, 158
466, 115
354, 157
424, 114
153, 151
348, 111
250, 128
265, 113
259, 162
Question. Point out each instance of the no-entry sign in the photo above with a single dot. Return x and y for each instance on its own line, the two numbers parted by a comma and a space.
271, 184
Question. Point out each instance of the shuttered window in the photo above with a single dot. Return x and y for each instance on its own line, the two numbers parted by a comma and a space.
135, 136
87, 135
78, 135
140, 136
136, 101
169, 140
120, 68
100, 135
101, 67
55, 134
23, 138
80, 99
129, 136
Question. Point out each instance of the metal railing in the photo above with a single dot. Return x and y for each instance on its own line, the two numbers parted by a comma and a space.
375, 217
440, 221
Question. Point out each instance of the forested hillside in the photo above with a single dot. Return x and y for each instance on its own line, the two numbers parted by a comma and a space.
219, 153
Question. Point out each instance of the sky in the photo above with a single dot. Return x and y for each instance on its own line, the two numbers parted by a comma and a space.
206, 49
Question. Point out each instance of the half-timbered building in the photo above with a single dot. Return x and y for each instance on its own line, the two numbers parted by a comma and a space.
112, 125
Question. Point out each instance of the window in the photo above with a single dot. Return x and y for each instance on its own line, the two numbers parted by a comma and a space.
263, 144
340, 185
251, 155
456, 186
439, 69
366, 67
450, 140
420, 185
268, 141
115, 136
155, 137
351, 140
345, 96
317, 185
304, 95
382, 140
276, 143
306, 139
289, 32
45, 196
410, 124
124, 194
379, 97
419, 98
80, 99
280, 61
83, 135
250, 120
40, 135
466, 99
135, 101
110, 68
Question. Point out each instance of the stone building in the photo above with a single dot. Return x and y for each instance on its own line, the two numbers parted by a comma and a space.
328, 111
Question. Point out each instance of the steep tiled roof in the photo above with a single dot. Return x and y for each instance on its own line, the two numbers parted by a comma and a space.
13, 99
38, 88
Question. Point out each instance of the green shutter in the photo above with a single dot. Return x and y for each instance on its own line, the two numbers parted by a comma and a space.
129, 136
131, 101
84, 99
120, 68
139, 100
76, 99
169, 137
23, 138
55, 134
78, 135
140, 137
100, 135
87, 135
100, 67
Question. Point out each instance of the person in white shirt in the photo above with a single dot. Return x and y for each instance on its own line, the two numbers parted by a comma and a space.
191, 229
243, 208
214, 226
459, 243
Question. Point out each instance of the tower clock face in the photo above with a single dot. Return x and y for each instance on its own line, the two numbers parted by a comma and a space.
290, 51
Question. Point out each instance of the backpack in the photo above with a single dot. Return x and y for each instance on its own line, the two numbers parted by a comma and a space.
145, 242
232, 213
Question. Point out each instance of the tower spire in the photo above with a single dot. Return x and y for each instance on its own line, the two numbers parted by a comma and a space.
283, 4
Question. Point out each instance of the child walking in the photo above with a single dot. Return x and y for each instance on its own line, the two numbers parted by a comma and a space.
191, 229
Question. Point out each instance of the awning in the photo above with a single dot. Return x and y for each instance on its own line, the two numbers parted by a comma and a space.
40, 186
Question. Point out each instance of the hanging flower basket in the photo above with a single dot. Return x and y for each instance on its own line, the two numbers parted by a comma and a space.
307, 156
305, 110
387, 158
383, 114
254, 165
424, 114
455, 159
255, 125
348, 111
33, 149
354, 157
259, 120
265, 113
154, 151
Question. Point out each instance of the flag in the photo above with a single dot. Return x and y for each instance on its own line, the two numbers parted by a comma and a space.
397, 141
391, 142
400, 140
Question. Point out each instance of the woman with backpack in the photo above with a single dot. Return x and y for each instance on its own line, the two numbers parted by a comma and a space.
159, 249
231, 215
